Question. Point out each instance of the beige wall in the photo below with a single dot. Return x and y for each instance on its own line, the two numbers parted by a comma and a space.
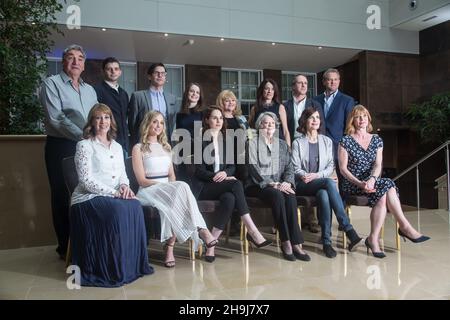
25, 215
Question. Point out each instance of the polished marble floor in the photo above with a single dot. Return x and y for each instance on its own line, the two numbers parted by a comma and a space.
418, 271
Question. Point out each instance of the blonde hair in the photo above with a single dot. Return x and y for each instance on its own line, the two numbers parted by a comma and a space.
358, 110
228, 94
145, 126
89, 128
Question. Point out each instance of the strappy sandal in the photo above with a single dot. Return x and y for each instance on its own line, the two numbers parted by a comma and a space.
171, 263
210, 244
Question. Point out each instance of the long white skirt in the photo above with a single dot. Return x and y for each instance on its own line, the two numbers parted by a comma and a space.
177, 208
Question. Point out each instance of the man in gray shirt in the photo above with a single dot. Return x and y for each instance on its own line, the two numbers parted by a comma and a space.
66, 100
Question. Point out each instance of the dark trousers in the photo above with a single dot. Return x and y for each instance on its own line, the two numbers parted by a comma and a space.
324, 189
284, 212
230, 193
56, 149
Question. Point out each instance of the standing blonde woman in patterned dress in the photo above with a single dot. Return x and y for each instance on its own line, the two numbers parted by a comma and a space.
153, 168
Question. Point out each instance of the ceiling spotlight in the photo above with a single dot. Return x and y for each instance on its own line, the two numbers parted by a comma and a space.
273, 43
320, 48
103, 29
222, 39
189, 42
166, 34
33, 23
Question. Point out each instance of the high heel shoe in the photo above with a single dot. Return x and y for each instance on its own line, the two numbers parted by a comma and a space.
210, 244
287, 256
261, 245
379, 254
416, 240
170, 263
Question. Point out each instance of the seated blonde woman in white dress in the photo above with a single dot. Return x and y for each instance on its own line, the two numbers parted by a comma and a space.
177, 206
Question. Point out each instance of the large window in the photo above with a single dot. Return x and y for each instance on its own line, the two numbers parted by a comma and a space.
288, 76
175, 81
244, 84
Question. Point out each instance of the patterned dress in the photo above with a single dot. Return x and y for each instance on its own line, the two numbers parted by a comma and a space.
360, 164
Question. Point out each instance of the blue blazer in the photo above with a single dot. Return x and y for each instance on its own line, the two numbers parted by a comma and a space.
336, 119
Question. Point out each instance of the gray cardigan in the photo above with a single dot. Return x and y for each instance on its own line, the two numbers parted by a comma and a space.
266, 165
300, 156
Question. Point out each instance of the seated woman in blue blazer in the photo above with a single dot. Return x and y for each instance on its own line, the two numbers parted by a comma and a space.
312, 156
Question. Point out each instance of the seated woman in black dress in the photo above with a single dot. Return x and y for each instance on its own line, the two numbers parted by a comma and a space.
271, 179
360, 157
215, 181
107, 229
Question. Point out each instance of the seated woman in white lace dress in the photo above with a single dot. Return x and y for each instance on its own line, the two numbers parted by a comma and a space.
177, 206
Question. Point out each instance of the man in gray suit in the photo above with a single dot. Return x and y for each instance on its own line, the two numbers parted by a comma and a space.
152, 99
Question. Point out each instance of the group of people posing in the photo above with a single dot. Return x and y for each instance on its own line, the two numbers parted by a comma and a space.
283, 151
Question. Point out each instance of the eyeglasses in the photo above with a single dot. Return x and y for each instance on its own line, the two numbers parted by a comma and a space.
160, 73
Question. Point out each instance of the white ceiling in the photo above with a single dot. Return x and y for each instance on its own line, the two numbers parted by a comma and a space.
175, 49
417, 24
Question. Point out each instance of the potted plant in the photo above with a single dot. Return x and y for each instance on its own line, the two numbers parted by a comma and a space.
432, 118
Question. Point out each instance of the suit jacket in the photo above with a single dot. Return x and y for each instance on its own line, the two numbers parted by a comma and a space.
140, 104
266, 166
289, 105
300, 156
118, 102
204, 172
336, 119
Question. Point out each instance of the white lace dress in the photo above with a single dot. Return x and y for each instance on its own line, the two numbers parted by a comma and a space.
175, 202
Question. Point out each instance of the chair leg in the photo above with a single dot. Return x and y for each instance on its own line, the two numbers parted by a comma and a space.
200, 251
242, 232
348, 210
191, 250
278, 238
227, 233
68, 254
397, 236
244, 228
299, 217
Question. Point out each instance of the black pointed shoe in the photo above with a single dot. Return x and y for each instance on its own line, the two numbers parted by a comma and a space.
355, 240
329, 251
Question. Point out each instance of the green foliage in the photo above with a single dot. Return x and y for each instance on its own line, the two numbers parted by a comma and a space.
24, 44
432, 118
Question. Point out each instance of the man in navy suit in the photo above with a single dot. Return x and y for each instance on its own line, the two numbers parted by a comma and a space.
336, 107
297, 104
110, 93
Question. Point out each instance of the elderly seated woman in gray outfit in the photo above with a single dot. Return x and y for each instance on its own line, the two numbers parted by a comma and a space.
271, 179
312, 157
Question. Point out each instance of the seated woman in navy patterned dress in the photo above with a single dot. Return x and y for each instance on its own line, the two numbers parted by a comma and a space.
360, 157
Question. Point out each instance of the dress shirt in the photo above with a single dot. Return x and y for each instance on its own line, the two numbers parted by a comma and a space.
328, 100
299, 107
100, 169
115, 86
66, 110
158, 101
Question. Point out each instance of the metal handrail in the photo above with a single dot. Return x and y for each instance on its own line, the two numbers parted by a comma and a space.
422, 160
416, 166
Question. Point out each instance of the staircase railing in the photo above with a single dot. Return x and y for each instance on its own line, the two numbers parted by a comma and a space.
416, 166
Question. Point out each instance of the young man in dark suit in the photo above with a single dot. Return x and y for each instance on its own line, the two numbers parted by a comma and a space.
110, 93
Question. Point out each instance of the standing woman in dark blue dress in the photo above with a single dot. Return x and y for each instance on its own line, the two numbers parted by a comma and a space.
360, 158
108, 236
268, 100
191, 109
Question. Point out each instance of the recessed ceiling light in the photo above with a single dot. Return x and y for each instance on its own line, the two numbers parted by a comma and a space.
320, 48
103, 29
273, 43
33, 23
166, 34
222, 39
429, 18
